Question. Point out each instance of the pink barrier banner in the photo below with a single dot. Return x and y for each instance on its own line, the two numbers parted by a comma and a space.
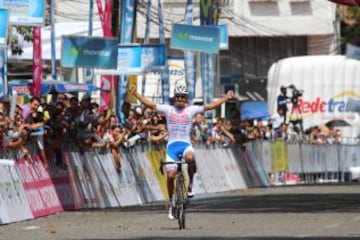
65, 184
39, 189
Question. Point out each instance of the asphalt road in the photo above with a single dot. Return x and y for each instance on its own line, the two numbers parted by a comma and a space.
301, 212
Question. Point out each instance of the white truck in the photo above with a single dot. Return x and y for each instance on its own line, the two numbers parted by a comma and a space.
330, 87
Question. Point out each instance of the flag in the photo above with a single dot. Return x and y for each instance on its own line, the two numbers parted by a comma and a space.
37, 66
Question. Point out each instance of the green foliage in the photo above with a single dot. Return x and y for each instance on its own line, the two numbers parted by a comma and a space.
13, 41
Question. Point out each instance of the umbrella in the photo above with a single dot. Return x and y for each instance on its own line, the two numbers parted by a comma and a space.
337, 123
353, 3
23, 87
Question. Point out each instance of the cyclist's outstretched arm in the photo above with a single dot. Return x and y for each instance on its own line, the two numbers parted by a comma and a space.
141, 98
218, 102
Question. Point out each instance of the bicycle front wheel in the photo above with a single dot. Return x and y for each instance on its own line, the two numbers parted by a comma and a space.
180, 202
181, 216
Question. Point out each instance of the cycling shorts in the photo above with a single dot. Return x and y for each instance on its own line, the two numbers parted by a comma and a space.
173, 150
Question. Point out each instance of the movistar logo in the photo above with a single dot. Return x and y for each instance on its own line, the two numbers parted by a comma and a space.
75, 51
183, 36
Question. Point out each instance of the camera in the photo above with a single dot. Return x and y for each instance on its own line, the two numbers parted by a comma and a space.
296, 93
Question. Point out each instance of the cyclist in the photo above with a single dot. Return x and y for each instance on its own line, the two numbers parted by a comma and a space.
179, 122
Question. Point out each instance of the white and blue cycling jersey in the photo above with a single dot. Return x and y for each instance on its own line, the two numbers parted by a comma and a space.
179, 123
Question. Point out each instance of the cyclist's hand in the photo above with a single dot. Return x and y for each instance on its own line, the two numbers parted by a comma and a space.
132, 89
229, 95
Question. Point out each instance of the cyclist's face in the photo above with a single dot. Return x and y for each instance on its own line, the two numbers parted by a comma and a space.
180, 100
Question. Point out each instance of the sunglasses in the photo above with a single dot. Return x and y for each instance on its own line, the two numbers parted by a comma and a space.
181, 96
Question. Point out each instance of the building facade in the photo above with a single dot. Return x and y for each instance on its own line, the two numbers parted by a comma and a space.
260, 33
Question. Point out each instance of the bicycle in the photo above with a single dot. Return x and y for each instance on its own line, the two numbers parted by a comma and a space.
180, 193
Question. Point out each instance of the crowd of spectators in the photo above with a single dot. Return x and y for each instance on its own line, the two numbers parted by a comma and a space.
49, 126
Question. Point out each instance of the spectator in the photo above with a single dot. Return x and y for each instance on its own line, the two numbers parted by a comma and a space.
29, 108
157, 130
277, 119
84, 122
220, 135
36, 126
338, 136
59, 132
282, 133
282, 101
199, 132
315, 136
113, 139
34, 122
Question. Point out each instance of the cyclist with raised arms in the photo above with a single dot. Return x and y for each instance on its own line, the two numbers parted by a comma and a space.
179, 121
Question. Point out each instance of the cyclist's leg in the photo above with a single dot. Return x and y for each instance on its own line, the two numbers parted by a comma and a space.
172, 151
189, 156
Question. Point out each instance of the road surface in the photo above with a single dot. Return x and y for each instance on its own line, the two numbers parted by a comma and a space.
296, 212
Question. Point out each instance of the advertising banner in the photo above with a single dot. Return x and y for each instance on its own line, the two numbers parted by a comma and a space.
3, 27
37, 62
176, 75
279, 156
93, 52
29, 12
189, 56
65, 183
145, 176
196, 38
165, 88
224, 37
3, 72
137, 59
127, 24
106, 81
126, 184
40, 191
322, 90
104, 168
13, 203
85, 184
127, 27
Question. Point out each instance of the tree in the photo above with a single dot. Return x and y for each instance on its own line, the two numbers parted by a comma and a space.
25, 32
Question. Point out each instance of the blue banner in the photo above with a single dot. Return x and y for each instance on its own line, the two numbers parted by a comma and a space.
165, 86
148, 21
93, 52
208, 16
146, 40
224, 37
127, 28
53, 39
3, 72
3, 27
127, 25
196, 38
88, 72
29, 12
189, 55
138, 59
